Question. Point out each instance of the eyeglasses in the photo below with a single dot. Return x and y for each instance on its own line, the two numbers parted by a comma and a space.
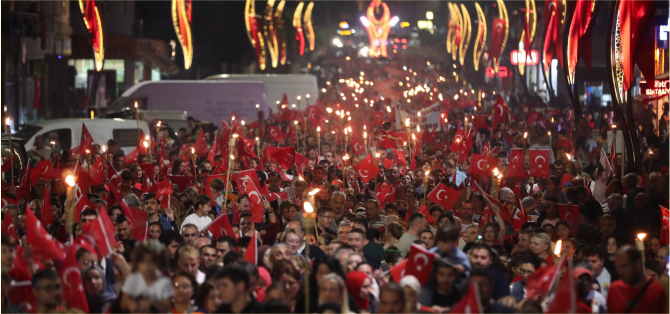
182, 287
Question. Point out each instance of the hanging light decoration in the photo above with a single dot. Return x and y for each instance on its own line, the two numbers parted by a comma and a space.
465, 42
254, 32
299, 35
94, 25
182, 12
378, 29
307, 22
480, 40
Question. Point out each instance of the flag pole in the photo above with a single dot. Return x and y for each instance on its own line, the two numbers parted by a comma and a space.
231, 143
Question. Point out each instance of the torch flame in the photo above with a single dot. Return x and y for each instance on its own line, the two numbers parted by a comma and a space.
69, 180
525, 134
103, 147
313, 192
318, 129
235, 135
146, 144
308, 207
641, 236
557, 250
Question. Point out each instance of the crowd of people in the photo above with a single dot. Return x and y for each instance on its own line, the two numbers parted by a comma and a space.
299, 220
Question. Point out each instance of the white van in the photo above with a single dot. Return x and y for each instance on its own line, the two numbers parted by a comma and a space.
69, 132
293, 85
207, 101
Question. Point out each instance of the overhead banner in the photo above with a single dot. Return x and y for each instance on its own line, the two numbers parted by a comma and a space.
430, 117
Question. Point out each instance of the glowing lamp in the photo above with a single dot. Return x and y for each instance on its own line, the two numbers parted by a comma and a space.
69, 180
235, 135
329, 110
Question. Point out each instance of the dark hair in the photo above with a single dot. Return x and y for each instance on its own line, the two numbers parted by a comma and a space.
357, 230
323, 210
44, 274
450, 233
203, 292
126, 175
157, 223
121, 218
148, 196
7, 240
360, 221
482, 272
229, 239
393, 288
170, 235
482, 246
201, 200
448, 216
235, 273
89, 212
190, 277
531, 259
591, 250
414, 217
654, 266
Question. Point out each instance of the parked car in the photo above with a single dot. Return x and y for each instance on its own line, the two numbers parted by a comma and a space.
123, 131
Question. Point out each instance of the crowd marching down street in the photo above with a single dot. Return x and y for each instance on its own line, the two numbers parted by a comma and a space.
398, 189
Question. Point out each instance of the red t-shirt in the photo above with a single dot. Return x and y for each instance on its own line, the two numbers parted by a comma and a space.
567, 144
620, 295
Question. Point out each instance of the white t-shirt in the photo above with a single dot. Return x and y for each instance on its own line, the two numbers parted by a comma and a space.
549, 222
201, 277
135, 286
200, 222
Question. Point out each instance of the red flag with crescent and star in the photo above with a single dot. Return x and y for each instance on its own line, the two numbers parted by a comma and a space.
570, 213
470, 303
73, 292
540, 165
444, 196
85, 142
420, 263
275, 133
358, 146
500, 112
221, 226
482, 164
516, 168
497, 35
457, 141
247, 183
377, 118
366, 169
43, 244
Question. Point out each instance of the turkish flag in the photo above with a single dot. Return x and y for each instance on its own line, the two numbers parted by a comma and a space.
444, 196
165, 189
355, 132
100, 232
567, 178
420, 263
442, 146
540, 163
634, 18
137, 219
247, 183
245, 147
377, 118
665, 226
398, 271
503, 210
565, 299
424, 210
314, 114
515, 168
580, 35
399, 157
388, 163
486, 149
481, 121
8, 227
358, 146
44, 169
250, 255
570, 213
273, 196
132, 157
200, 145
285, 156
457, 141
275, 133
82, 204
470, 303
482, 164
43, 244
301, 160
97, 172
499, 112
73, 292
386, 194
366, 169
6, 200
47, 217
497, 36
182, 182
542, 280
85, 142
220, 227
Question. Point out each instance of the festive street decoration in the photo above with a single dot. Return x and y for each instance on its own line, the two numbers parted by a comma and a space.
528, 33
378, 29
307, 22
278, 26
465, 42
499, 32
554, 19
254, 32
94, 25
297, 24
182, 19
480, 40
